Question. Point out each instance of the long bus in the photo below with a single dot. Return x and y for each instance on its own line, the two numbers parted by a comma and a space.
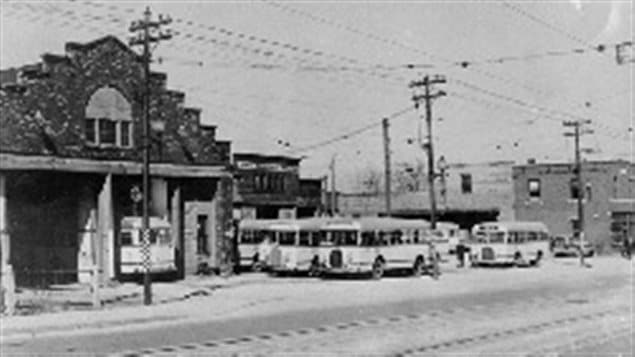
376, 244
256, 239
299, 245
517, 243
161, 246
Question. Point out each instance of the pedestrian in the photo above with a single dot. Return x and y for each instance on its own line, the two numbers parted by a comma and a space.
460, 254
627, 247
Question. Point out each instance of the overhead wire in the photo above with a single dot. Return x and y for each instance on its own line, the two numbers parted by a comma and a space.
349, 134
462, 63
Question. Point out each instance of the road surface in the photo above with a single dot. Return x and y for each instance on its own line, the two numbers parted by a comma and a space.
558, 309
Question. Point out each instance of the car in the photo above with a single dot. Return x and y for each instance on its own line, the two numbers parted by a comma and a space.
567, 246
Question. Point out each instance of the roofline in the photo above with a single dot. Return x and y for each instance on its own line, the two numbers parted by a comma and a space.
567, 164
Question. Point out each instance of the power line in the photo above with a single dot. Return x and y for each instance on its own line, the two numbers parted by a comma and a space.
522, 103
353, 133
538, 20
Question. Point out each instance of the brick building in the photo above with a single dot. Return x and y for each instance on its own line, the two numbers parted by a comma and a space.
269, 186
469, 193
70, 157
548, 192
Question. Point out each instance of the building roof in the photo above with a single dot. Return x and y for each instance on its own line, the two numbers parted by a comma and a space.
569, 164
266, 158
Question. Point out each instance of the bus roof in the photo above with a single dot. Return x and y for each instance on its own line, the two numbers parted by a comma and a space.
302, 224
513, 225
377, 223
135, 222
264, 224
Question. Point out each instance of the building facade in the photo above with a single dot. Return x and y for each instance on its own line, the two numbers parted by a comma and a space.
70, 165
548, 193
269, 186
467, 193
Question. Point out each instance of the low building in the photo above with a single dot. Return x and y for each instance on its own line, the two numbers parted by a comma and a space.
548, 192
467, 193
70, 165
269, 186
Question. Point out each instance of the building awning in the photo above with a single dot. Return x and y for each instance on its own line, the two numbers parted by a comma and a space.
14, 162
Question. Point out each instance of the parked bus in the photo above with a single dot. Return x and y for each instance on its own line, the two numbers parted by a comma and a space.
256, 238
162, 248
518, 243
374, 245
298, 247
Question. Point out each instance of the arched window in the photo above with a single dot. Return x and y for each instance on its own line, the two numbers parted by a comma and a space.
108, 119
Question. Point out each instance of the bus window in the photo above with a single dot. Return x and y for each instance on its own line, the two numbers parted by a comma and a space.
164, 236
395, 237
496, 237
305, 239
344, 238
532, 236
415, 236
126, 238
368, 239
153, 236
286, 238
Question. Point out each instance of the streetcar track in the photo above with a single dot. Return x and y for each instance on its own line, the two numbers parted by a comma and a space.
432, 317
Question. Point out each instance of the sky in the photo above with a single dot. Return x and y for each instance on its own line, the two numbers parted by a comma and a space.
294, 78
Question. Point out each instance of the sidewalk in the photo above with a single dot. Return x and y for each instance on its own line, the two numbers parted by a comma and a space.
68, 307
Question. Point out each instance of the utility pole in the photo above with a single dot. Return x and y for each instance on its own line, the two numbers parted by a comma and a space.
332, 167
146, 32
427, 82
385, 126
578, 130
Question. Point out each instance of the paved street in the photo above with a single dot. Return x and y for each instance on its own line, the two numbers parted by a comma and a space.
559, 307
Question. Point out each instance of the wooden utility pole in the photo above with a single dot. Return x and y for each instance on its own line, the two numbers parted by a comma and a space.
387, 182
427, 82
577, 131
147, 32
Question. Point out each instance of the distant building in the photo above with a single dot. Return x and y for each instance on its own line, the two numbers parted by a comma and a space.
467, 194
70, 165
548, 193
269, 186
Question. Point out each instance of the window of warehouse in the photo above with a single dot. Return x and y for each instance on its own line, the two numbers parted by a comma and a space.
466, 183
533, 186
108, 119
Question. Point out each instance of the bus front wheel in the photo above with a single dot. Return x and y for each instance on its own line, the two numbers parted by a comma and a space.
536, 261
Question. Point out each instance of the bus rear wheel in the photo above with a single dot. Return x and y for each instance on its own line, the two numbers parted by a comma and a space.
378, 269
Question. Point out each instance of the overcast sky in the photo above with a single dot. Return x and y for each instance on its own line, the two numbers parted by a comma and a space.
303, 73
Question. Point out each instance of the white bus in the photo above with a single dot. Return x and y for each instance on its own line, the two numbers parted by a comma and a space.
374, 245
518, 243
298, 246
162, 248
256, 238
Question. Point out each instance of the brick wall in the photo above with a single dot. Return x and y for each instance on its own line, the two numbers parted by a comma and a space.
555, 206
43, 109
